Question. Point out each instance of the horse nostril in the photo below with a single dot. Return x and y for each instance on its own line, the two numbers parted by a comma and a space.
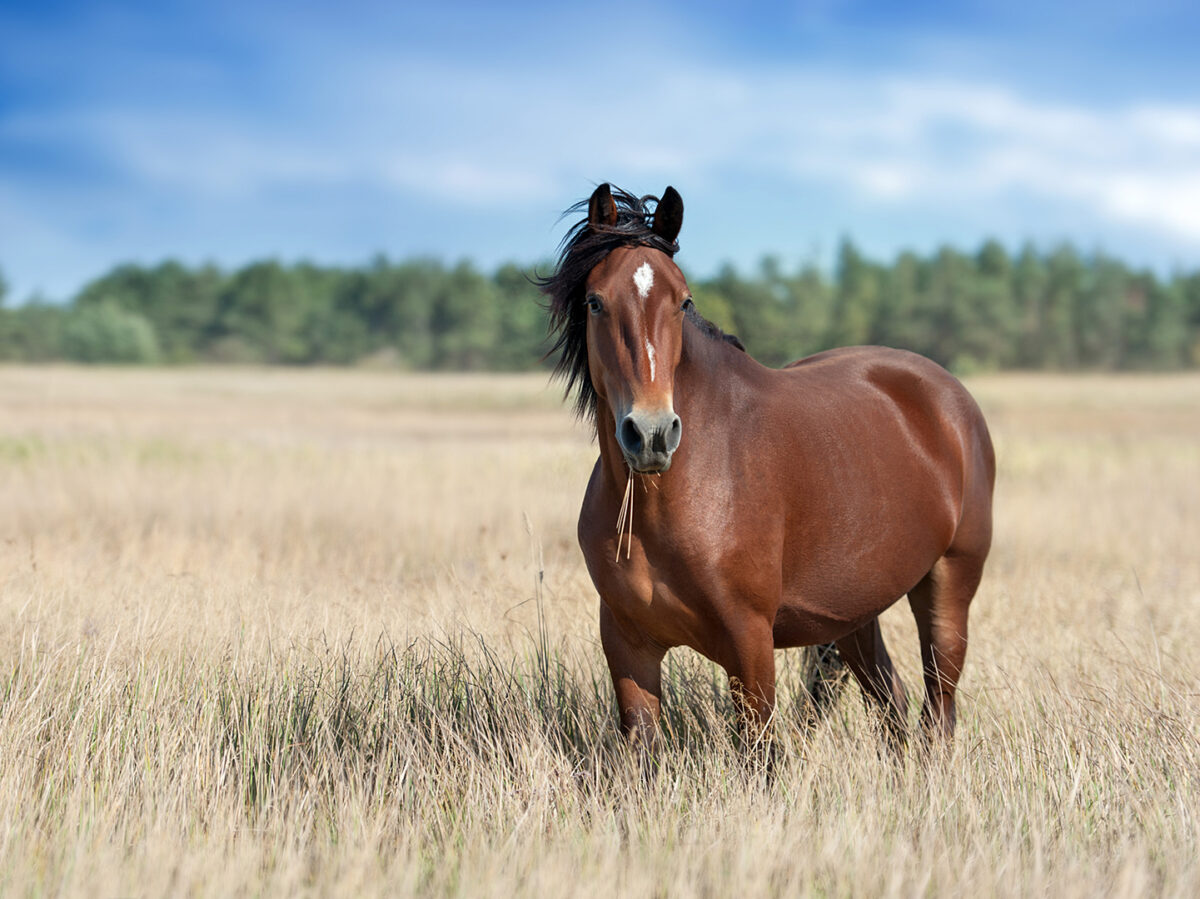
658, 443
673, 434
630, 436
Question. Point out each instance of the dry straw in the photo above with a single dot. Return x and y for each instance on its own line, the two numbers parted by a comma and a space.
282, 633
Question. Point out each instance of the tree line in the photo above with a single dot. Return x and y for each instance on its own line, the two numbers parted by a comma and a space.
987, 310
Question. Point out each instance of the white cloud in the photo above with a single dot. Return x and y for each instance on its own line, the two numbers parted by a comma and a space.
465, 181
478, 138
903, 140
483, 138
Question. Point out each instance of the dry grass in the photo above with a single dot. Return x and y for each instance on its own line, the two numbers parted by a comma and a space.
328, 633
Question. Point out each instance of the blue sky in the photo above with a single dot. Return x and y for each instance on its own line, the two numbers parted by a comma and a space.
233, 131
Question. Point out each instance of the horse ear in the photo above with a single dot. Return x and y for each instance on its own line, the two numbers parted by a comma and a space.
601, 208
668, 215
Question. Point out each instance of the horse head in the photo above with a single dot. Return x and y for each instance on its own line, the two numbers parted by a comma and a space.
636, 300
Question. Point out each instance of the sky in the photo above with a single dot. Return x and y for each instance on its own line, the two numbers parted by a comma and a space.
232, 131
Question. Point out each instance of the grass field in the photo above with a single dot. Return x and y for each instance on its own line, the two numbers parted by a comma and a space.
328, 633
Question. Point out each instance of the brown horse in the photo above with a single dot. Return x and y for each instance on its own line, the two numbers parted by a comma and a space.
736, 508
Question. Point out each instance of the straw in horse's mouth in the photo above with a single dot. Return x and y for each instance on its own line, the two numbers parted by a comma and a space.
625, 518
626, 515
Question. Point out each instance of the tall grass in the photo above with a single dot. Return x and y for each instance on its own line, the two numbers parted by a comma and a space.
285, 646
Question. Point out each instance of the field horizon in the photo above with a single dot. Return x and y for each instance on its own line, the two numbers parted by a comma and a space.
327, 632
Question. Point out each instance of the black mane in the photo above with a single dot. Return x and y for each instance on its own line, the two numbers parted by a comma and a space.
582, 249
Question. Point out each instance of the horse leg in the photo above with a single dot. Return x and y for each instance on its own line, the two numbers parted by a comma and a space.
635, 664
824, 681
750, 663
867, 657
939, 604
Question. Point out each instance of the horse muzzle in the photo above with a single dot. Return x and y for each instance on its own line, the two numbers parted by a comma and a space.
648, 439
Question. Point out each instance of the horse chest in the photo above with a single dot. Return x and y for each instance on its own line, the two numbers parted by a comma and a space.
651, 598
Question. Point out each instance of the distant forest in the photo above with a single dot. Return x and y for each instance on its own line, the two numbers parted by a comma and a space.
977, 311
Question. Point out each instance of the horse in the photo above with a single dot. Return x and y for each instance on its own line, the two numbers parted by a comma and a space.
736, 509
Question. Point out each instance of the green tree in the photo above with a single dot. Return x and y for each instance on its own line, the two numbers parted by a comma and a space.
1100, 315
714, 306
899, 321
856, 298
1065, 274
1161, 341
7, 347
810, 310
180, 303
986, 309
104, 332
261, 317
521, 320
986, 318
760, 319
464, 324
946, 307
401, 300
1190, 286
1029, 286
35, 331
335, 320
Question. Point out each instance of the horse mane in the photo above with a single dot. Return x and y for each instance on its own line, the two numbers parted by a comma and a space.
582, 249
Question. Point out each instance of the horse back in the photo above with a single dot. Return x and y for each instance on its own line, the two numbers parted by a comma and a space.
919, 395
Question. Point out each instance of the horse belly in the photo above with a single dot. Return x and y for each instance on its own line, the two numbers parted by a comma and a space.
826, 613
839, 581
797, 625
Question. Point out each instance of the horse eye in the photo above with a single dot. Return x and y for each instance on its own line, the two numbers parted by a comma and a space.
594, 305
688, 304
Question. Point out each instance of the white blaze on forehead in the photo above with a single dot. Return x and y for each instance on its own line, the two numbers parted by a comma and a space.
643, 280
650, 355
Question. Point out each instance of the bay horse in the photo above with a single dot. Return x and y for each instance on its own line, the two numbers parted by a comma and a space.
736, 508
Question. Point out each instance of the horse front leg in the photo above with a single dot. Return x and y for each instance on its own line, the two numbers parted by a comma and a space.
635, 664
750, 663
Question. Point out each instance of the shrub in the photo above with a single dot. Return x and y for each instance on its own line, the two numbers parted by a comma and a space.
106, 333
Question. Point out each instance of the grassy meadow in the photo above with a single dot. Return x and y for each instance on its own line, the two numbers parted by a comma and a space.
328, 633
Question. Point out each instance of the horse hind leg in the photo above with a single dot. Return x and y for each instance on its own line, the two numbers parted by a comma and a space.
939, 605
825, 674
867, 657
